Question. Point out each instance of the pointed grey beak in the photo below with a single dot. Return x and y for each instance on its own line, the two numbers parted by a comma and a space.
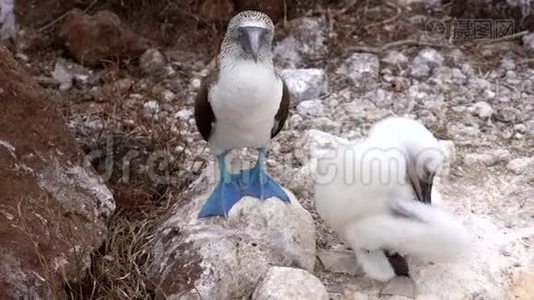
422, 185
251, 39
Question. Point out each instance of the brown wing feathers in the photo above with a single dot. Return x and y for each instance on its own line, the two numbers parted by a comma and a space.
283, 111
204, 116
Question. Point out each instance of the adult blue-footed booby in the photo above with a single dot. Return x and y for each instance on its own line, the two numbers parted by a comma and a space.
242, 103
377, 194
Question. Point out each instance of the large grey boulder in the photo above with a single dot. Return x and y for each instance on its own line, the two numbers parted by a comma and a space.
306, 43
305, 84
227, 257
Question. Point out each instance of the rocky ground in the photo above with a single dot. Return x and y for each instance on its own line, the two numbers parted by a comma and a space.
134, 120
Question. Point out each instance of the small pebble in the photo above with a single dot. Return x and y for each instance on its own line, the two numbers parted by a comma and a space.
521, 128
521, 165
482, 109
151, 107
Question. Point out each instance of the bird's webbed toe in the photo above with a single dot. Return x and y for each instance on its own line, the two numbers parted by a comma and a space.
222, 199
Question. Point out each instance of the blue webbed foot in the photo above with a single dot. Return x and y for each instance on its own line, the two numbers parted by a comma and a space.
227, 192
223, 198
260, 185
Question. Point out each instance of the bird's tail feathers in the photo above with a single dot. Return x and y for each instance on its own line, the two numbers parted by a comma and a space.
413, 229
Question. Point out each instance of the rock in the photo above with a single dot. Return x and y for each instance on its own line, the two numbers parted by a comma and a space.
427, 60
22, 57
307, 43
349, 296
464, 133
216, 10
47, 82
400, 286
311, 108
93, 39
338, 261
446, 78
123, 86
529, 127
33, 14
66, 72
521, 165
481, 109
418, 19
528, 43
287, 53
507, 63
478, 158
428, 119
521, 128
448, 148
305, 84
151, 107
152, 62
7, 19
489, 158
522, 285
363, 71
314, 144
226, 258
380, 97
184, 114
507, 114
168, 96
59, 207
459, 59
295, 121
395, 58
501, 155
325, 124
290, 283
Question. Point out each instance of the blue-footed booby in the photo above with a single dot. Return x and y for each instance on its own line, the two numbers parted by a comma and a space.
243, 102
377, 194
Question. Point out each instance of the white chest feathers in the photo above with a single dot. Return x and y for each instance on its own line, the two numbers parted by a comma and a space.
244, 101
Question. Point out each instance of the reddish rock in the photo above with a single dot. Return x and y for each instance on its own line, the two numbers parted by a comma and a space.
94, 39
53, 210
36, 13
216, 10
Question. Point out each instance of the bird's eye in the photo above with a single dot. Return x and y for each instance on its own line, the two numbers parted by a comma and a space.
264, 35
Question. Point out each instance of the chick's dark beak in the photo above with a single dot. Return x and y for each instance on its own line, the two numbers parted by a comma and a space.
422, 185
251, 39
426, 189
